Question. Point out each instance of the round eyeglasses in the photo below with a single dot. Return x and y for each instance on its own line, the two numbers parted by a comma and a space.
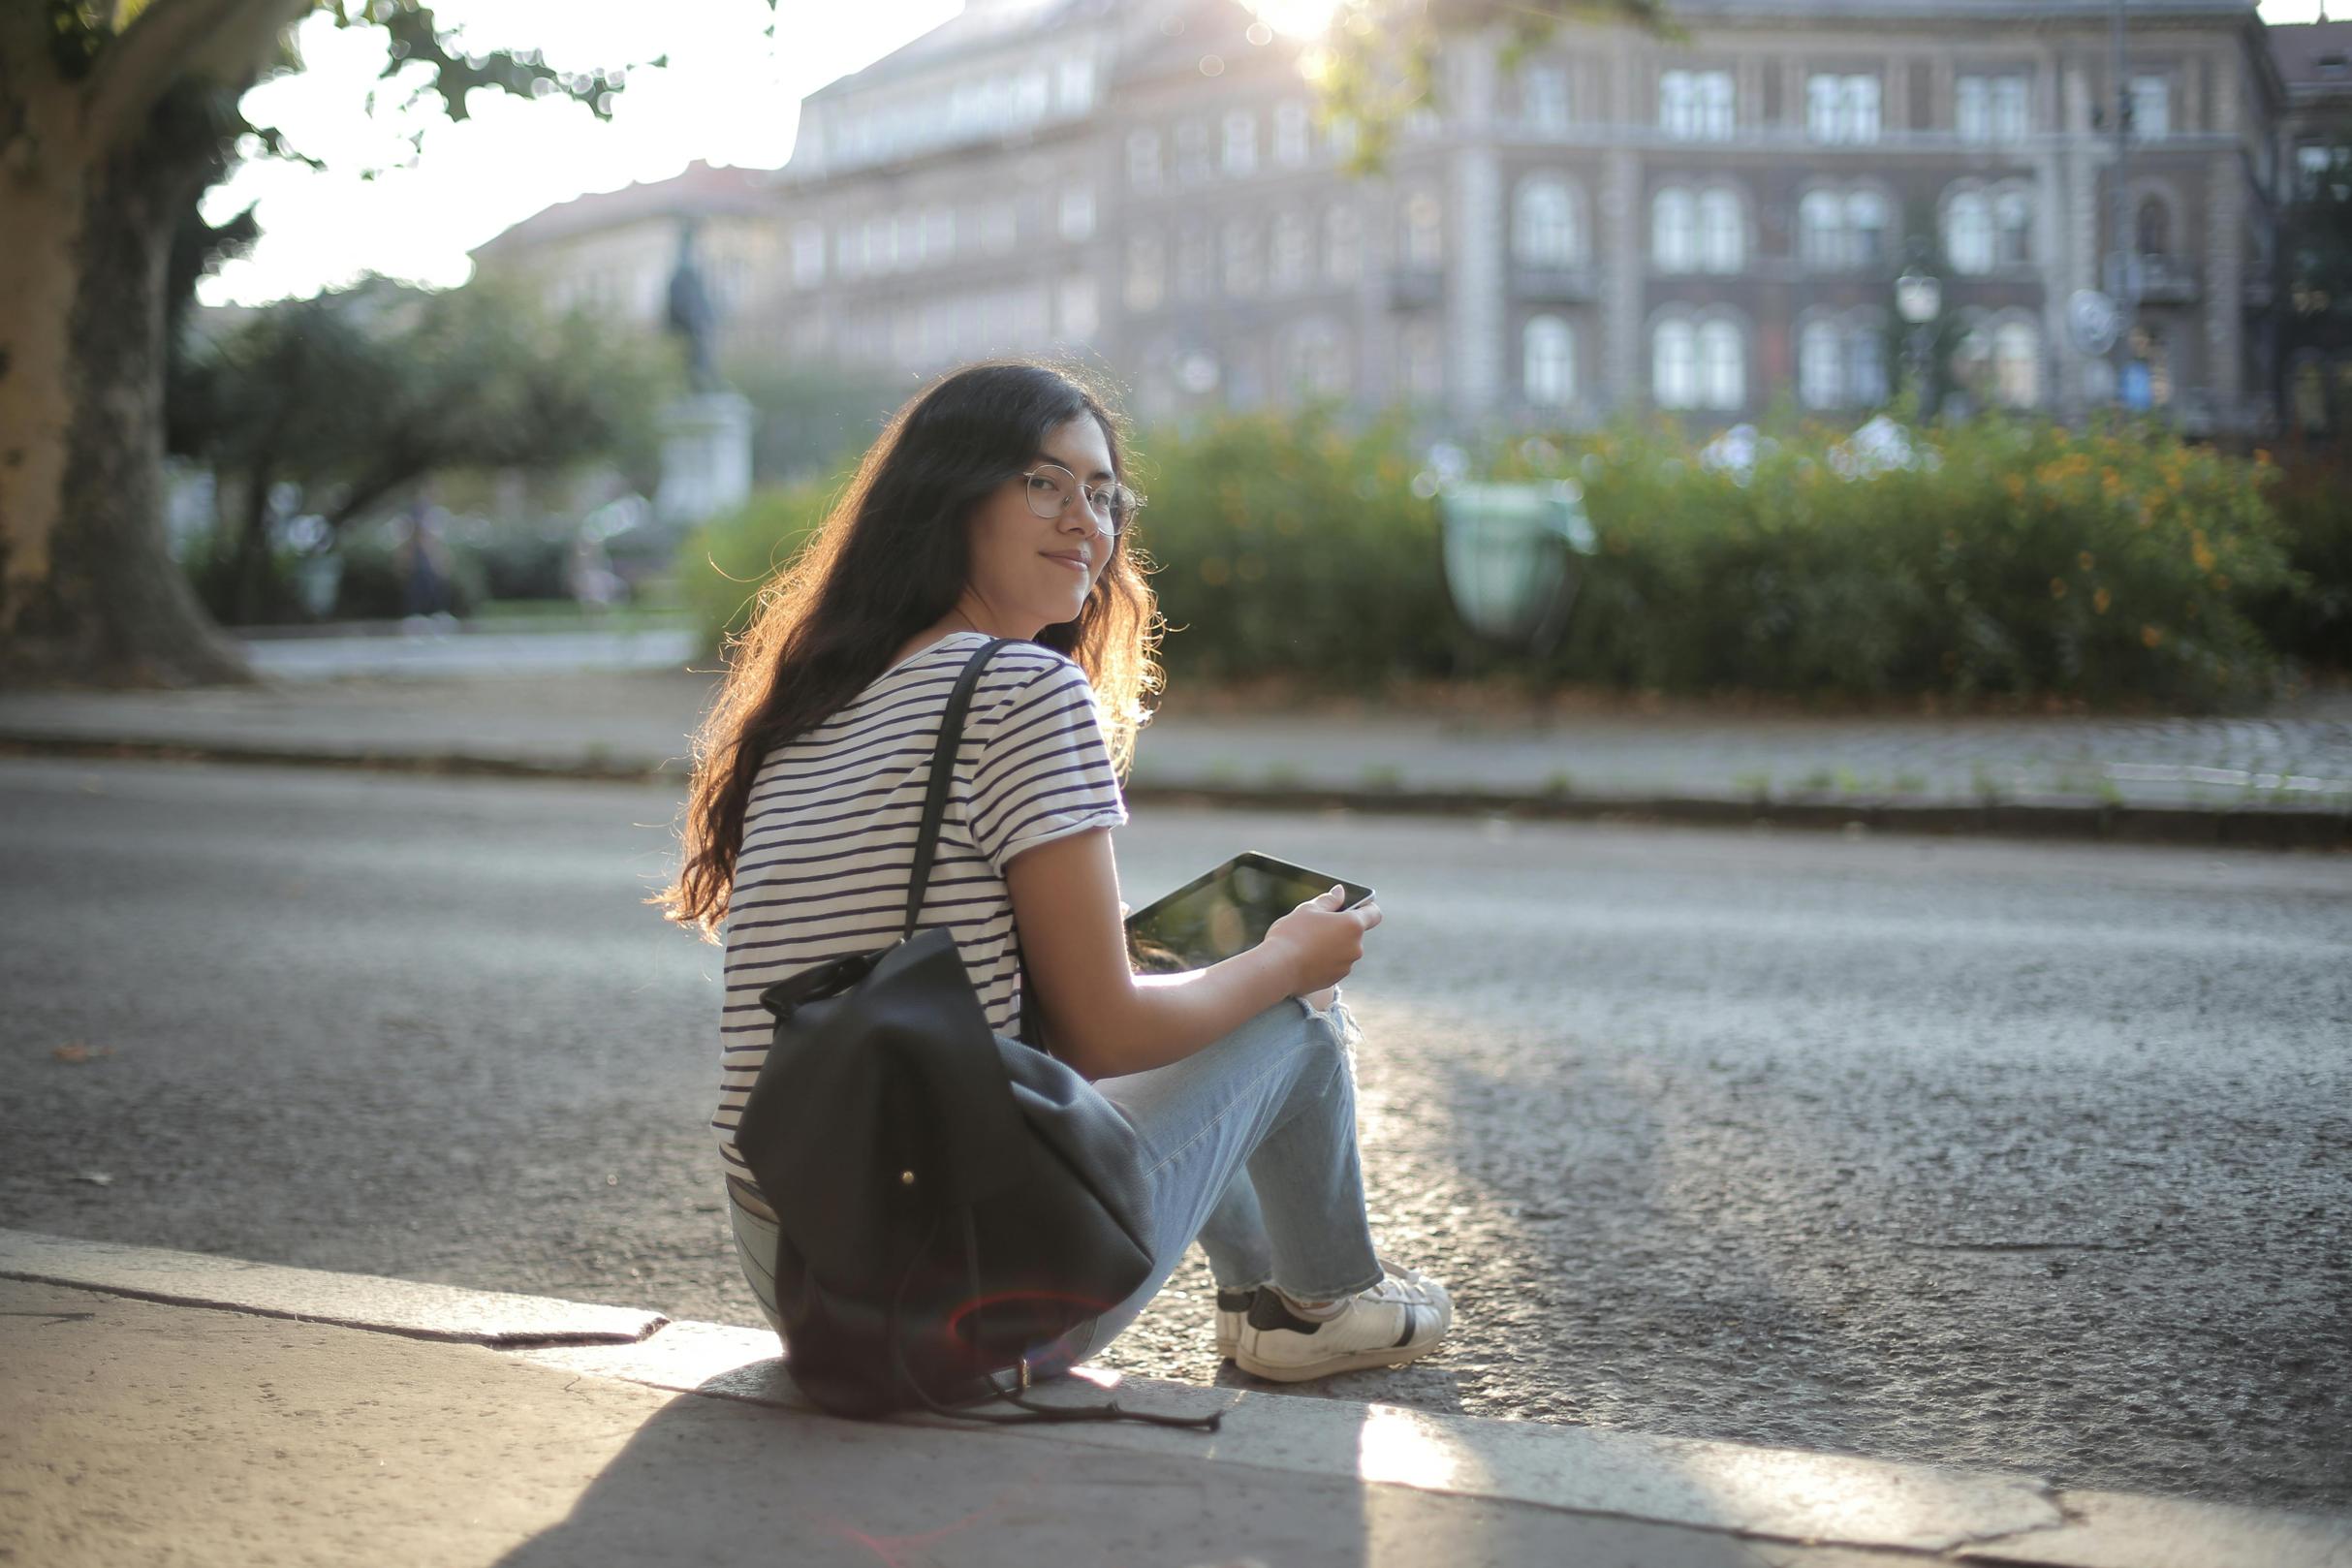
1049, 488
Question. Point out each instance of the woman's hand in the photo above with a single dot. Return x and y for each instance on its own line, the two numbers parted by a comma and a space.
1319, 943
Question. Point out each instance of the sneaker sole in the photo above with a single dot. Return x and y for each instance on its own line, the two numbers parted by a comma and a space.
1356, 1362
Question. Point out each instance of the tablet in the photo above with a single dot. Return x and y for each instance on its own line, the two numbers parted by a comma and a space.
1224, 912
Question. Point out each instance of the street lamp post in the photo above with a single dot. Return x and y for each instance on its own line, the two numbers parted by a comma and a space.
1918, 297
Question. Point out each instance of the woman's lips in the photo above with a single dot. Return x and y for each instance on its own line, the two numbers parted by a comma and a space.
1079, 567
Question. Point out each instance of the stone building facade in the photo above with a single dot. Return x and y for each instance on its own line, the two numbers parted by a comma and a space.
1612, 221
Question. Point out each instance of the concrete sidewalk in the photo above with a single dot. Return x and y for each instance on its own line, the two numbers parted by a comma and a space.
2284, 778
173, 1407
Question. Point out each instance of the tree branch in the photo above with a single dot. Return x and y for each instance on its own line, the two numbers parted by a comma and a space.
229, 41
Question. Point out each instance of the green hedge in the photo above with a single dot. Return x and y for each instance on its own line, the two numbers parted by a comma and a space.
2115, 565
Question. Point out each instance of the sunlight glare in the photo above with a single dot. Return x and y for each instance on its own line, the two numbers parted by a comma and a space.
1299, 19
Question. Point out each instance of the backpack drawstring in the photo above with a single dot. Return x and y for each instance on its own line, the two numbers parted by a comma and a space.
1108, 1411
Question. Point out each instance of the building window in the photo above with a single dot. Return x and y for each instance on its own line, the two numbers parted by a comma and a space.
2148, 346
1142, 159
1548, 362
2013, 229
2016, 365
939, 231
1029, 95
1968, 232
1241, 142
1543, 224
1342, 244
1820, 365
1291, 123
1425, 230
1867, 229
807, 255
1543, 99
1422, 351
1695, 106
1339, 137
1294, 250
1674, 231
1722, 365
1078, 213
1076, 85
1318, 360
2152, 227
1707, 231
1674, 364
1821, 242
1147, 280
2152, 105
1192, 265
1241, 274
1722, 232
1990, 109
1080, 315
1191, 152
1841, 108
1866, 359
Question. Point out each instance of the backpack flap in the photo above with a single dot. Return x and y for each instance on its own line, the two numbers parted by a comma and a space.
898, 1072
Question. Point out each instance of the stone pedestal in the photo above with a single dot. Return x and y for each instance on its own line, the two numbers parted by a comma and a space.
705, 456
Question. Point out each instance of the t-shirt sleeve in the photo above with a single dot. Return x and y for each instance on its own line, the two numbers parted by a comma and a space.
1045, 769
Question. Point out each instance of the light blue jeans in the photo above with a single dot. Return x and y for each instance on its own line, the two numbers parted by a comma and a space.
1248, 1147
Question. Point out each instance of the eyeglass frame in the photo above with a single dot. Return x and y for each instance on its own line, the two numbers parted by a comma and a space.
1116, 525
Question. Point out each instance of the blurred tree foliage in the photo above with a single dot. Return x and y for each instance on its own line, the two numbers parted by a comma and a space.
353, 396
115, 117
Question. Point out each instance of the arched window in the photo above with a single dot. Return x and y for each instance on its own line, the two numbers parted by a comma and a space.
2016, 365
1866, 365
1543, 226
1425, 230
1342, 243
1673, 230
1674, 364
1722, 365
1318, 360
1968, 233
1722, 235
1293, 249
1866, 229
1819, 366
1821, 230
1548, 362
2013, 228
2154, 227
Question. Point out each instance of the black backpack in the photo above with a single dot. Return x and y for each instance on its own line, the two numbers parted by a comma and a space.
945, 1200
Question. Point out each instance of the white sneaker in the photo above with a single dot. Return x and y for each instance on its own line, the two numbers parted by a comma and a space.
1401, 1319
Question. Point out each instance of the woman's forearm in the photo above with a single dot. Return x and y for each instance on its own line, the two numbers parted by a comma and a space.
1169, 1016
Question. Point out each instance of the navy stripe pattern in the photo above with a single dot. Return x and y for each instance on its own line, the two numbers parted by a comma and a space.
829, 834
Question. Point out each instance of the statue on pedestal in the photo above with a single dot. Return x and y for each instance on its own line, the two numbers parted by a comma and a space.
691, 314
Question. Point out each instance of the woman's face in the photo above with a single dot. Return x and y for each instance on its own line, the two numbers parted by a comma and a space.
1030, 571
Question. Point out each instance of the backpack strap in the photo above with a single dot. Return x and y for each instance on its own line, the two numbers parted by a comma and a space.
943, 766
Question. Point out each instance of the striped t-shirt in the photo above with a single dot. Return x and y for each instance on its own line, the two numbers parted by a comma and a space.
829, 832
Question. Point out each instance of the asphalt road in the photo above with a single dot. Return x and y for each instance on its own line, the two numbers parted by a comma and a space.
1963, 1152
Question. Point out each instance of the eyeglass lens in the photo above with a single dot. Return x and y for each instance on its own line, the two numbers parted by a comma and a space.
1050, 497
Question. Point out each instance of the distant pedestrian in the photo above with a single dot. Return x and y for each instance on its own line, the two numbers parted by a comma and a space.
588, 573
994, 505
424, 563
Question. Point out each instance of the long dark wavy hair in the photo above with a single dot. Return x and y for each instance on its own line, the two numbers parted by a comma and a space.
892, 558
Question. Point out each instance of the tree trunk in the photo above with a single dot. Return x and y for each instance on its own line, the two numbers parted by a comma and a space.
249, 578
89, 592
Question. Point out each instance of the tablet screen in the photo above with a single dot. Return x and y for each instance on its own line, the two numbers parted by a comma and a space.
1227, 911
